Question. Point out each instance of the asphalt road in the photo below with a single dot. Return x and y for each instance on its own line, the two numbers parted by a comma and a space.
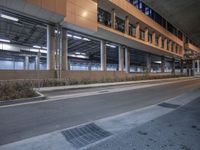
21, 122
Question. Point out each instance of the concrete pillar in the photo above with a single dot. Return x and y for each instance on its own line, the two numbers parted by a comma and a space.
165, 44
170, 46
137, 30
148, 61
173, 66
51, 48
146, 35
198, 66
90, 66
121, 58
162, 64
37, 61
113, 19
127, 60
65, 65
127, 25
26, 63
103, 55
181, 66
160, 41
193, 66
154, 38
174, 47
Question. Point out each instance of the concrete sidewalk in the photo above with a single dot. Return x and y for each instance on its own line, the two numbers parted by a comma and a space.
153, 127
85, 86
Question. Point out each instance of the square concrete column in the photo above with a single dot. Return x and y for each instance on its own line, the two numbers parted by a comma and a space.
121, 58
146, 35
160, 41
103, 56
65, 65
162, 64
170, 46
37, 61
193, 66
26, 63
181, 65
148, 61
51, 48
137, 30
127, 25
165, 44
127, 60
173, 66
113, 18
154, 38
174, 47
198, 66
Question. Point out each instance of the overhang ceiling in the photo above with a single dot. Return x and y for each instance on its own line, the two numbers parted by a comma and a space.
184, 14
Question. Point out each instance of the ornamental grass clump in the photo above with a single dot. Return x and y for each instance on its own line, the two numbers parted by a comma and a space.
16, 90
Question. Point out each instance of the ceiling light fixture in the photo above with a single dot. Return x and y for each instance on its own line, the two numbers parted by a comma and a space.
36, 46
9, 17
4, 40
77, 37
112, 46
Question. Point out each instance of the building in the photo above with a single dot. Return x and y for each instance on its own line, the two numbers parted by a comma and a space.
90, 39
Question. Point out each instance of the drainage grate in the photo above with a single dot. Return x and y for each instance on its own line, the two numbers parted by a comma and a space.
85, 135
168, 105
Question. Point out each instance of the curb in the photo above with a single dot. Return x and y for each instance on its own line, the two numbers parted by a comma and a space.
22, 100
87, 86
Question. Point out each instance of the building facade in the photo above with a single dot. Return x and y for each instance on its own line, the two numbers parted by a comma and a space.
90, 39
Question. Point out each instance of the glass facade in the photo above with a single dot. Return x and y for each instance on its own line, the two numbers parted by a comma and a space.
156, 17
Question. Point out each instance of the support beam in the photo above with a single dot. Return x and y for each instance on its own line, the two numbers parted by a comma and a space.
137, 30
121, 58
148, 63
127, 60
170, 46
165, 44
162, 64
146, 35
160, 41
127, 25
173, 66
26, 63
154, 38
113, 19
51, 48
103, 56
198, 66
181, 66
65, 65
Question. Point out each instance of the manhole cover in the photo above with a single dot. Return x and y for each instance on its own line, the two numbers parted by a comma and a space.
168, 105
85, 135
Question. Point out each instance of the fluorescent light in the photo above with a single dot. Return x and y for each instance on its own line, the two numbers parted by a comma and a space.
157, 62
77, 37
4, 40
112, 46
77, 53
86, 39
9, 17
44, 47
43, 51
69, 35
78, 56
34, 50
36, 46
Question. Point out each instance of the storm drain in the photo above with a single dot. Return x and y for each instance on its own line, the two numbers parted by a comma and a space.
168, 105
85, 135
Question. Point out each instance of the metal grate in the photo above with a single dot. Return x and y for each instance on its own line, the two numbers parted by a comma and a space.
168, 105
85, 135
